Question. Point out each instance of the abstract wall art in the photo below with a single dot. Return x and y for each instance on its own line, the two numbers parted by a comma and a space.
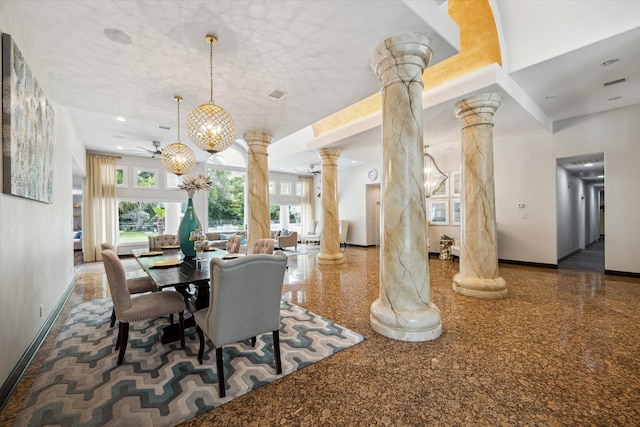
27, 129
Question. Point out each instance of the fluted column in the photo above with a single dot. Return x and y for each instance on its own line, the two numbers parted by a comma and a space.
330, 239
259, 225
478, 276
403, 310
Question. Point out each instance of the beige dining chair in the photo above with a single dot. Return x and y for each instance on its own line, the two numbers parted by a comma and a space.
244, 302
162, 240
136, 285
233, 244
263, 246
127, 309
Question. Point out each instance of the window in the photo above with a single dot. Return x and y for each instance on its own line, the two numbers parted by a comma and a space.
139, 220
145, 178
285, 188
121, 176
272, 187
172, 181
298, 188
228, 174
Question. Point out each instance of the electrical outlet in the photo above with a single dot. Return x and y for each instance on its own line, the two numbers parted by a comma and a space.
41, 309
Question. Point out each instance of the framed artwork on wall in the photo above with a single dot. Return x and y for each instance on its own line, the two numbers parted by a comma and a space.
145, 178
455, 211
439, 212
443, 191
27, 129
122, 180
456, 183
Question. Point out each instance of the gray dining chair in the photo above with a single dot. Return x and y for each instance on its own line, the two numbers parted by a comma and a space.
149, 306
233, 244
244, 302
263, 246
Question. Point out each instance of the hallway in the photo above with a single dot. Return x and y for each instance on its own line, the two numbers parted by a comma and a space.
589, 259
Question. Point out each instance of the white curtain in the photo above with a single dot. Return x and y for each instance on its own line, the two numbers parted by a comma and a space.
307, 206
100, 206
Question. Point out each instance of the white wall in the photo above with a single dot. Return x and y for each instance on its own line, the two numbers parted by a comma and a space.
36, 249
615, 133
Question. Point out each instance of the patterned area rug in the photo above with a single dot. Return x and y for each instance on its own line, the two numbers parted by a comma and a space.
162, 385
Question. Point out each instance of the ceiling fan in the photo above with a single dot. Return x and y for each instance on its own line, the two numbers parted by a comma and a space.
312, 170
156, 152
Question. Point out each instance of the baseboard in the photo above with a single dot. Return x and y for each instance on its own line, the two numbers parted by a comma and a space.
621, 273
12, 381
527, 263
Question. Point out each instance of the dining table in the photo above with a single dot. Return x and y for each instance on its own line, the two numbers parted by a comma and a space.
170, 268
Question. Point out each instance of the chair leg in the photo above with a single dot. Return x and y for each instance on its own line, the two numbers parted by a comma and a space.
201, 349
181, 323
113, 317
123, 337
253, 341
276, 350
220, 366
171, 318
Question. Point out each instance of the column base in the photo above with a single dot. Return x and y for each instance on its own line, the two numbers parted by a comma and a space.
330, 259
480, 288
424, 324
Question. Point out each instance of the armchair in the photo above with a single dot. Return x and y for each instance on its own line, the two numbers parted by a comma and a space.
127, 309
290, 239
244, 302
315, 236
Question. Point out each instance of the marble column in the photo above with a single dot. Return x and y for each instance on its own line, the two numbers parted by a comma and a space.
330, 240
478, 276
259, 224
403, 310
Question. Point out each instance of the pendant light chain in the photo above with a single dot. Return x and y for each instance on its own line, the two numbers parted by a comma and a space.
178, 99
211, 68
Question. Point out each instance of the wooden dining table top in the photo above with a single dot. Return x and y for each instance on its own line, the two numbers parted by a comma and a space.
184, 273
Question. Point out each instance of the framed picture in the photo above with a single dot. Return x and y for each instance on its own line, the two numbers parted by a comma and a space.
439, 212
27, 129
456, 183
122, 180
443, 191
145, 178
455, 211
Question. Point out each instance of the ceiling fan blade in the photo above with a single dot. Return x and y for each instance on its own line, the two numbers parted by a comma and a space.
147, 150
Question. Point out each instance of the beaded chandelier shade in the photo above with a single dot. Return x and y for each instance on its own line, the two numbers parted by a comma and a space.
211, 127
433, 176
177, 158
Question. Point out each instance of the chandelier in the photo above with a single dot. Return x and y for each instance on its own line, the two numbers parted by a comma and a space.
177, 158
211, 127
433, 176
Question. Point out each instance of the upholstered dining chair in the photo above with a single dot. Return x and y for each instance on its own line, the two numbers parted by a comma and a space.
149, 306
244, 302
233, 244
264, 246
136, 285
162, 240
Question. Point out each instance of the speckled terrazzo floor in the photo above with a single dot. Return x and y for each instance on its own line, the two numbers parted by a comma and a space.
561, 350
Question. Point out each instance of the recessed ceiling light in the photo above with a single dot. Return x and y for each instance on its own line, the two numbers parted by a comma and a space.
119, 147
600, 176
586, 165
609, 62
117, 36
121, 119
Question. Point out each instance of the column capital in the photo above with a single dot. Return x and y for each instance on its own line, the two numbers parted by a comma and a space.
477, 110
329, 155
256, 139
402, 58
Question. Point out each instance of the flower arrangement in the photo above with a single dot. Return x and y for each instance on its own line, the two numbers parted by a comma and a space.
193, 184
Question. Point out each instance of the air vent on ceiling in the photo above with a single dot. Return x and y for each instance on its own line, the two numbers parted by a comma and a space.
164, 127
615, 82
277, 94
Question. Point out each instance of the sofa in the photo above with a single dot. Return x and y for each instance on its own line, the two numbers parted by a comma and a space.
217, 240
77, 240
284, 239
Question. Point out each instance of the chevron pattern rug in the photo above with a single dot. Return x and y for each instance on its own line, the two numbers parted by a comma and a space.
162, 384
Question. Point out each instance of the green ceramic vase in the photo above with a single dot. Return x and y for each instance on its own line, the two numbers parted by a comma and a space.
189, 223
